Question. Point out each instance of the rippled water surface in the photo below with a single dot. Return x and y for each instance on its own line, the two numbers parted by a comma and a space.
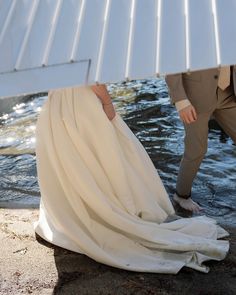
146, 109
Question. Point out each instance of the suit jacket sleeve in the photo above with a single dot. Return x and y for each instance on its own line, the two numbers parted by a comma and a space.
176, 88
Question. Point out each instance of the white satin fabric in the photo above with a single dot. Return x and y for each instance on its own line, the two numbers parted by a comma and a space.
101, 195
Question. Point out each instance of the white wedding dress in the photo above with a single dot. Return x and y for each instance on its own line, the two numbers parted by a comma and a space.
101, 195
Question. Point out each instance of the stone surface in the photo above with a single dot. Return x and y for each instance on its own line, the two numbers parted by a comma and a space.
33, 266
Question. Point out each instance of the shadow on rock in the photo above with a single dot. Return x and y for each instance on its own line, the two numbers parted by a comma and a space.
78, 274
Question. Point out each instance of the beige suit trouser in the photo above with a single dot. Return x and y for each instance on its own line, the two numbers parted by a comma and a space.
196, 137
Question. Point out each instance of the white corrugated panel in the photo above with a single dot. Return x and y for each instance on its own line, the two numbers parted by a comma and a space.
46, 44
201, 32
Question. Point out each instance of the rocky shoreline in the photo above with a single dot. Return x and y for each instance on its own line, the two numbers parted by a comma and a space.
29, 265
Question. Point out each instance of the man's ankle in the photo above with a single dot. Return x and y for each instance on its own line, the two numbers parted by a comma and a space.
186, 196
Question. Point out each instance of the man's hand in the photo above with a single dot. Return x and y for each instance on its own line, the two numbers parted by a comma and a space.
188, 115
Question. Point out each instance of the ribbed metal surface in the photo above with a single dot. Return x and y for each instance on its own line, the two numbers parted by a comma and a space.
47, 44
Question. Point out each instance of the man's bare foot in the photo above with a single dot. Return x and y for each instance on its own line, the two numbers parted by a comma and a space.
187, 204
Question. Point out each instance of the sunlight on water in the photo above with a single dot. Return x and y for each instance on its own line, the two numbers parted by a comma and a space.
145, 107
17, 132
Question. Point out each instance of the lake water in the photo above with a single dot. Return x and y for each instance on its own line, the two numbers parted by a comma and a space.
145, 107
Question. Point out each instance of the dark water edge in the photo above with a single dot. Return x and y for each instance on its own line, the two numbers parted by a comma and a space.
145, 107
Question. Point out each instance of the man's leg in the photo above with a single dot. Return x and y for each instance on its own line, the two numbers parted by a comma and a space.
196, 137
226, 117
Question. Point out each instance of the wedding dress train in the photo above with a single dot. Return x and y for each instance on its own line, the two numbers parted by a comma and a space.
101, 195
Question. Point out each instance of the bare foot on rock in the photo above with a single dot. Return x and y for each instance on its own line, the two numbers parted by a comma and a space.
187, 204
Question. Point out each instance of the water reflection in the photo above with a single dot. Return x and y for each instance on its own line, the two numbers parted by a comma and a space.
17, 132
18, 181
145, 107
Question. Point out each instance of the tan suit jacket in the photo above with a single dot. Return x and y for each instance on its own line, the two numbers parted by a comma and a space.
199, 87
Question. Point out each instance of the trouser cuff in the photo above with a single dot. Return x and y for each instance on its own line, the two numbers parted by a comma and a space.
183, 196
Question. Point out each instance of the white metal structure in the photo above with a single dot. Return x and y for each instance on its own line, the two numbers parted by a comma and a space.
47, 44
